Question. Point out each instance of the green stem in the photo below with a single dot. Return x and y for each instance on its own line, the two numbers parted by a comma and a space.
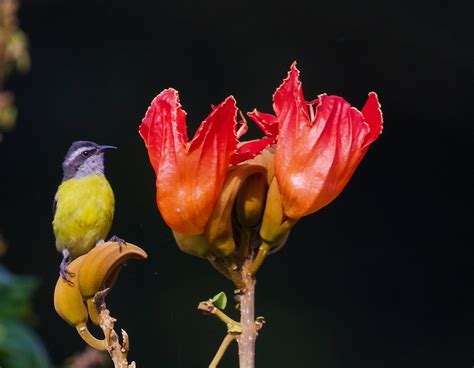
261, 255
89, 338
208, 307
234, 273
222, 349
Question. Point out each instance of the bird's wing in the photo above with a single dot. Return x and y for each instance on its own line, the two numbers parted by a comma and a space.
55, 202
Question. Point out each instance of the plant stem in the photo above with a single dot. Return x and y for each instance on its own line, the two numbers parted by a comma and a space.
118, 352
261, 255
208, 307
220, 353
232, 268
246, 339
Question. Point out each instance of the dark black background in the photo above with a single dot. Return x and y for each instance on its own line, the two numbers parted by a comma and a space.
382, 277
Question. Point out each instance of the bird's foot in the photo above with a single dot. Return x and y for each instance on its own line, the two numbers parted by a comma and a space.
65, 273
63, 270
119, 241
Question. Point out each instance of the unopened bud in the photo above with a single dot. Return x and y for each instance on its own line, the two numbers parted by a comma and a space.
219, 232
273, 228
251, 201
102, 265
196, 245
68, 300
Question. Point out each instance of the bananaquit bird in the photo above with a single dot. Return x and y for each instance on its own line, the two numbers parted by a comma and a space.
84, 203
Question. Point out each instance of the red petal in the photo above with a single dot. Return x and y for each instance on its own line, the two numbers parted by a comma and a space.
288, 103
219, 127
314, 160
373, 116
164, 121
250, 149
289, 97
189, 177
268, 123
204, 169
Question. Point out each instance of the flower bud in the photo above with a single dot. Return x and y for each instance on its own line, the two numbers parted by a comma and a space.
196, 245
70, 306
219, 232
67, 296
250, 201
267, 159
274, 227
91, 273
102, 264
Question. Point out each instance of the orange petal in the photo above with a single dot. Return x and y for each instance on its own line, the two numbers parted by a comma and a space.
190, 176
315, 156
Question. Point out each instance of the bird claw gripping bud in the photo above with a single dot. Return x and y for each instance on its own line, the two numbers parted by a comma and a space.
69, 304
93, 272
68, 300
219, 231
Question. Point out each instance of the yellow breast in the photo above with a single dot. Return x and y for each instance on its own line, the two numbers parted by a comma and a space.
84, 213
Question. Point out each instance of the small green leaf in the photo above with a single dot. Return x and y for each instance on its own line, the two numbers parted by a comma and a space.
220, 300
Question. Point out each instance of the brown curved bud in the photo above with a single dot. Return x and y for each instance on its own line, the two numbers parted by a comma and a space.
267, 159
196, 245
280, 242
218, 231
275, 226
69, 304
102, 264
93, 311
250, 201
68, 300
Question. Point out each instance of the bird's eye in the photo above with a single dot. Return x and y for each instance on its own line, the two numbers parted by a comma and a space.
86, 153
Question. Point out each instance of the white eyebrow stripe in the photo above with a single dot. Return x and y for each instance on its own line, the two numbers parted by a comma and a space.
76, 153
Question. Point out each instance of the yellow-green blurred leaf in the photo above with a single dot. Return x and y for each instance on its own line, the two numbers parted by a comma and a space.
8, 117
17, 52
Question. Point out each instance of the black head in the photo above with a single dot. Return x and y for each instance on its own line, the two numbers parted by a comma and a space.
84, 158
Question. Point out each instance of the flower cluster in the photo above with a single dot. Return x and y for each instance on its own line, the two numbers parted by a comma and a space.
91, 274
224, 198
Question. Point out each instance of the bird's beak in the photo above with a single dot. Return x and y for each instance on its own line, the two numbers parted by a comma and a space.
103, 148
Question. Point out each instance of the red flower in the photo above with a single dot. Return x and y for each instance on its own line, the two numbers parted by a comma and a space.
317, 151
190, 175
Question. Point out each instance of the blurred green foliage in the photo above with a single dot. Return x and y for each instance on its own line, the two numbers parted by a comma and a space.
19, 345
